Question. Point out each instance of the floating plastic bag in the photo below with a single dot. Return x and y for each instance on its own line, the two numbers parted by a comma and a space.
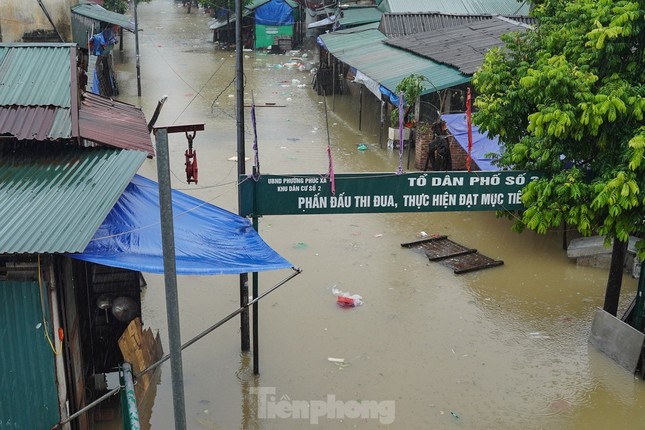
345, 299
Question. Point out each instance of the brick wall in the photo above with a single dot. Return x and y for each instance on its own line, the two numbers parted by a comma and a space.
457, 153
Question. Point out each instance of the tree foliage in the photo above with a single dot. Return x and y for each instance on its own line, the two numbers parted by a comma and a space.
120, 6
567, 98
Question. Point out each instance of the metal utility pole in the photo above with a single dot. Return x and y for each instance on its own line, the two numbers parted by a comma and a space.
170, 268
136, 44
241, 169
170, 278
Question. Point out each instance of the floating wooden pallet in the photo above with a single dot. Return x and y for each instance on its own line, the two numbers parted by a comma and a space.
451, 254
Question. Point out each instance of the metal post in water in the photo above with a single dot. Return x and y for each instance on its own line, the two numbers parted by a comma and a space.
136, 44
241, 169
637, 321
256, 280
170, 277
382, 119
256, 315
360, 107
333, 86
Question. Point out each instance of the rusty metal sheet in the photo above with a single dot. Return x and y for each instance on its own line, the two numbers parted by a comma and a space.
35, 122
114, 123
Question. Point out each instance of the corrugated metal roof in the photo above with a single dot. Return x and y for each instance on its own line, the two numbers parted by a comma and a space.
462, 7
353, 16
36, 75
219, 22
404, 24
36, 94
28, 398
35, 122
113, 123
461, 46
53, 196
94, 11
364, 49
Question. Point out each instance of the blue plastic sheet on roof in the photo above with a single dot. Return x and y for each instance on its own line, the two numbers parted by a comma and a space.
208, 240
482, 144
394, 98
275, 12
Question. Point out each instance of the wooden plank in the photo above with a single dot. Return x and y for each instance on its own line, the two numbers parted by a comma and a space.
493, 263
419, 242
443, 248
461, 259
454, 254
140, 348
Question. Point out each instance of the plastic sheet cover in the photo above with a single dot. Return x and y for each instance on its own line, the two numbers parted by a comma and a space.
208, 240
482, 144
275, 12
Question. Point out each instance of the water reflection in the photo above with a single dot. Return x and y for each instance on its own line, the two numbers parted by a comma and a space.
249, 386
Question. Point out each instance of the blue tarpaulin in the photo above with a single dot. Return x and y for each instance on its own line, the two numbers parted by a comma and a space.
208, 240
482, 144
275, 12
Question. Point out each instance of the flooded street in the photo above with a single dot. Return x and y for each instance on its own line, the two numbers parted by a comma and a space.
503, 348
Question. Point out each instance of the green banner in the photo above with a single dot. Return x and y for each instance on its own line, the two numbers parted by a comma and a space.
383, 192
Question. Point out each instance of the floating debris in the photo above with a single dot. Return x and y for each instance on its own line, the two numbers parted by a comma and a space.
345, 299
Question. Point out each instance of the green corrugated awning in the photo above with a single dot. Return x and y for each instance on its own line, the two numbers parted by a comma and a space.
36, 74
363, 48
216, 24
97, 12
359, 15
53, 197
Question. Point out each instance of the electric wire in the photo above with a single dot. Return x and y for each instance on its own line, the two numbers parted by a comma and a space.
42, 311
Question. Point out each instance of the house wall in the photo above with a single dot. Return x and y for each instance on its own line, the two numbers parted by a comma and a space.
364, 115
28, 398
265, 34
20, 18
457, 154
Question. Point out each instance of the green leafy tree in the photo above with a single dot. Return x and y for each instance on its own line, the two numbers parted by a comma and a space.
567, 99
120, 6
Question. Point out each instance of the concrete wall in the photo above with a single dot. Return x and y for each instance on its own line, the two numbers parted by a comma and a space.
19, 18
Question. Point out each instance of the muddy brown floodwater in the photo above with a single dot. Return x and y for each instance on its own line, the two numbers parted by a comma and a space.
503, 348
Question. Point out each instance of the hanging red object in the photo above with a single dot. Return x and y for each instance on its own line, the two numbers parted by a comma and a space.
470, 129
191, 160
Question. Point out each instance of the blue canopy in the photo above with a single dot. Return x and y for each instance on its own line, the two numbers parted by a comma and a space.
208, 240
274, 12
482, 144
